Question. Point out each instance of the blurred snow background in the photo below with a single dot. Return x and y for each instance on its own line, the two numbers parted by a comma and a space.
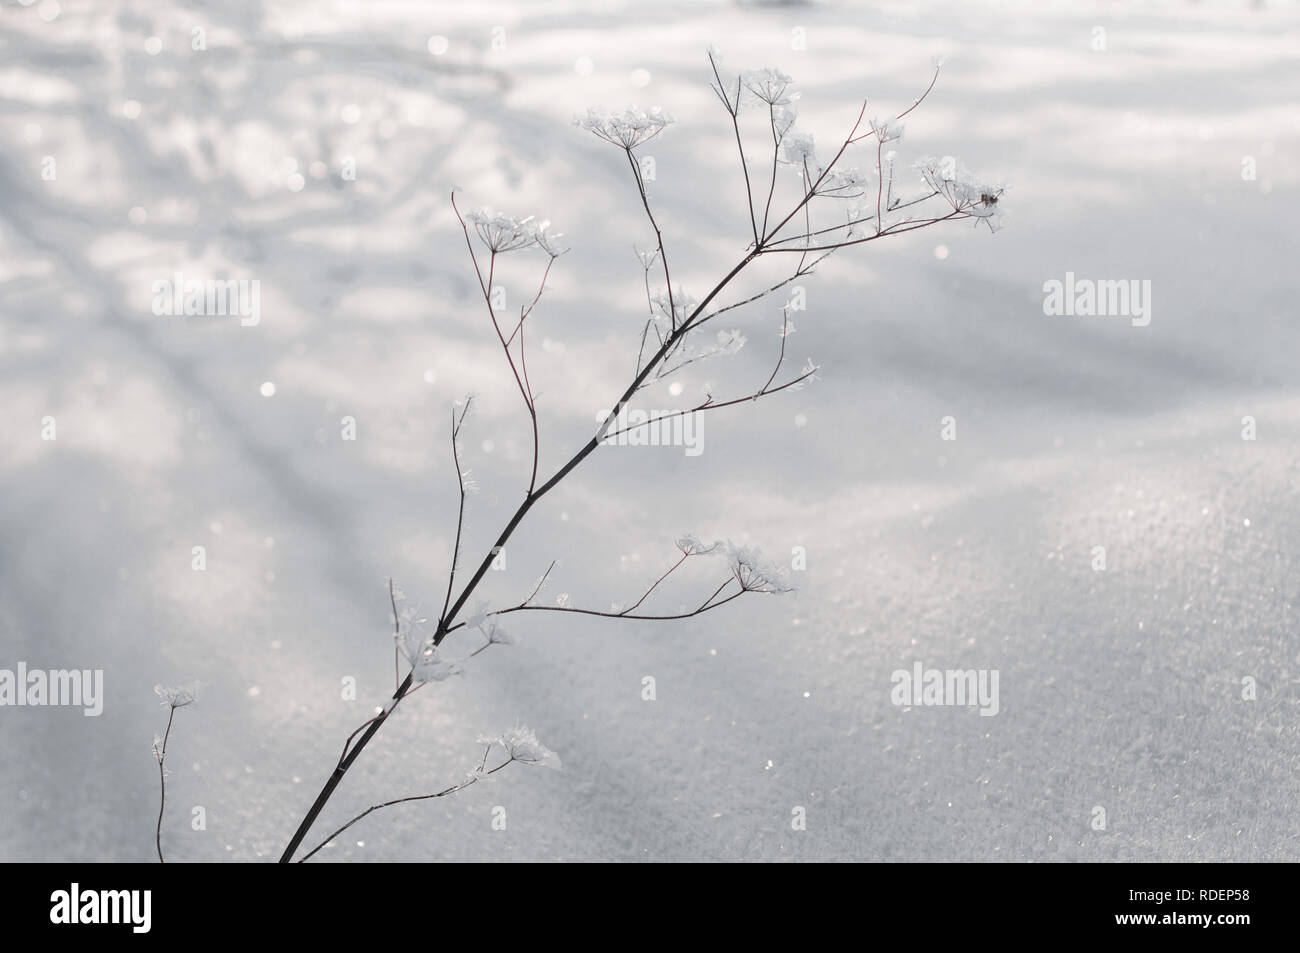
1119, 689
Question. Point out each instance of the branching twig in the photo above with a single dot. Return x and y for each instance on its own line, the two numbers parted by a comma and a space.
460, 510
501, 234
732, 105
173, 698
403, 800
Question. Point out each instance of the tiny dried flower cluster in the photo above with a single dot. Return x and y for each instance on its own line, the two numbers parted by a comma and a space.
502, 233
753, 572
769, 86
746, 562
627, 129
724, 343
521, 744
691, 545
963, 191
844, 183
887, 130
797, 148
179, 696
676, 310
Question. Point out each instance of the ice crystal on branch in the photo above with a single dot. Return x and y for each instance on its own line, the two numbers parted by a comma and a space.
783, 120
674, 309
887, 130
691, 545
729, 342
428, 663
495, 632
964, 192
753, 572
549, 241
431, 665
798, 149
769, 86
843, 183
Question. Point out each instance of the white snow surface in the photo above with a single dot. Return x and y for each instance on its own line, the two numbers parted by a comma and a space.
1119, 689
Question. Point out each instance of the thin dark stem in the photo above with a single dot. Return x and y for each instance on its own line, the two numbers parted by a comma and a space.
540, 582
776, 155
460, 511
807, 214
920, 99
162, 783
524, 313
341, 769
532, 408
733, 110
785, 332
768, 236
403, 800
843, 225
623, 615
880, 183
360, 728
752, 298
911, 226
636, 605
659, 236
496, 326
397, 632
706, 606
710, 404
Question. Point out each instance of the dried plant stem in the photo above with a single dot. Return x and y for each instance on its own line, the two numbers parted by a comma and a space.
445, 792
528, 503
162, 784
765, 241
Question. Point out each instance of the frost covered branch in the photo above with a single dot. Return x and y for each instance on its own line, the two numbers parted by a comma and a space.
172, 698
520, 746
746, 569
456, 424
501, 234
835, 207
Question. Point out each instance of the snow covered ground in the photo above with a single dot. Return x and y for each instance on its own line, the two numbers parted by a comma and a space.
1119, 689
